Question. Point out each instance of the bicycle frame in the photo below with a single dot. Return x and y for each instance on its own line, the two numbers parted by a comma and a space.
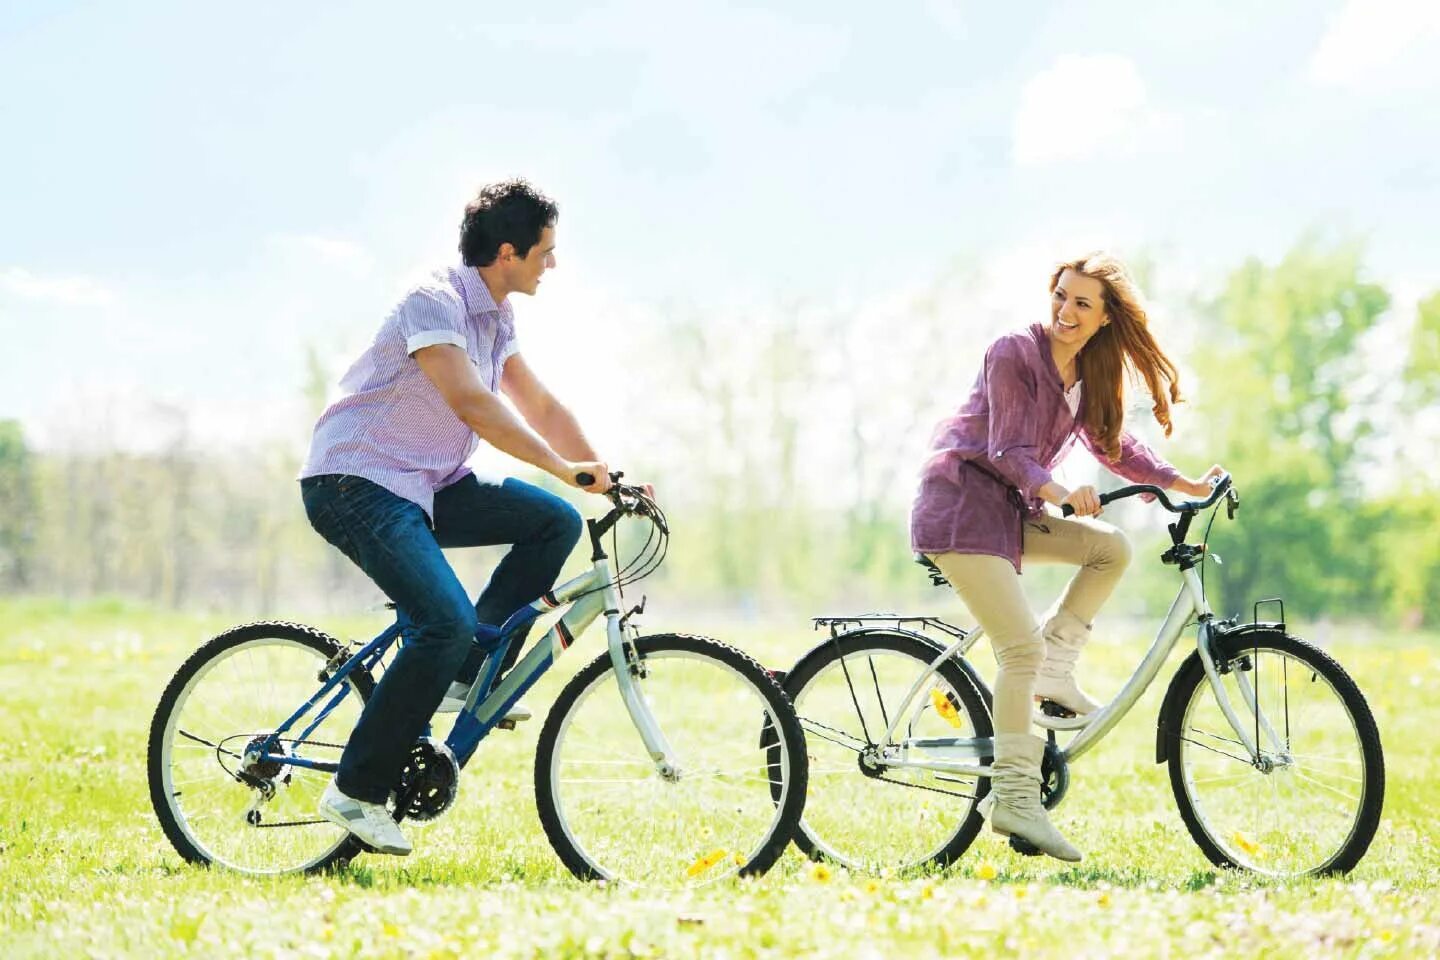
959, 755
590, 594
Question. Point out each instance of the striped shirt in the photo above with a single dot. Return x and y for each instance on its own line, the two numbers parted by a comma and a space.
392, 426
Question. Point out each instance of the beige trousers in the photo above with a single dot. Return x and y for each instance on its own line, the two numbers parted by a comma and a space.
990, 587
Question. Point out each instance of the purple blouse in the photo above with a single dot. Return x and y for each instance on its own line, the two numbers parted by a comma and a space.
988, 461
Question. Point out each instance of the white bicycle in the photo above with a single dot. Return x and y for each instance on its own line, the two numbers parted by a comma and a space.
1274, 757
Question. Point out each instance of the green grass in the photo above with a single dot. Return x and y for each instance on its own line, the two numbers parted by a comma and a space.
85, 870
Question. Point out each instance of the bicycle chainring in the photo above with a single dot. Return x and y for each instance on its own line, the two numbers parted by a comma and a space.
429, 781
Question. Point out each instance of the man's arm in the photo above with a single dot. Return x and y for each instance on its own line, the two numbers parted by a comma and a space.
450, 370
550, 418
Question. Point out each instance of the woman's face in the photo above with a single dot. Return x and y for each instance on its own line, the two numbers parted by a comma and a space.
1077, 309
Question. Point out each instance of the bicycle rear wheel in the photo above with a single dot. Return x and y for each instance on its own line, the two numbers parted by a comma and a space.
611, 815
874, 817
1312, 803
216, 808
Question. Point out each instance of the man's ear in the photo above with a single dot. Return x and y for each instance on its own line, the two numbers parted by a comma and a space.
506, 251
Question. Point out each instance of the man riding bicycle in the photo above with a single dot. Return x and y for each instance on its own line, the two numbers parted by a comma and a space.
386, 483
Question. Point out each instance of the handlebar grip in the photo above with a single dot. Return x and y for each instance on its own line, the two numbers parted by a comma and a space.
584, 479
1066, 510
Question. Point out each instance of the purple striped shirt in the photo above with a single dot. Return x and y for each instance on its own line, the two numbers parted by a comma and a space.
392, 426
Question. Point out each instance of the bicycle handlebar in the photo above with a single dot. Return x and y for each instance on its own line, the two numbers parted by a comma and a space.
1221, 486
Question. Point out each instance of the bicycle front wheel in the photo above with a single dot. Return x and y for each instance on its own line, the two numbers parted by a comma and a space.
730, 806
1311, 802
216, 806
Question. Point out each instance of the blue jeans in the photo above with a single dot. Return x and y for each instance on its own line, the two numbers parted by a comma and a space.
392, 540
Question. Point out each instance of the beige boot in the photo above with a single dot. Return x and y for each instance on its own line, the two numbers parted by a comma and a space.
1065, 635
1013, 804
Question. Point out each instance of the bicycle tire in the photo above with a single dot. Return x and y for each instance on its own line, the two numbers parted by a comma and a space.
1190, 692
653, 651
164, 796
808, 837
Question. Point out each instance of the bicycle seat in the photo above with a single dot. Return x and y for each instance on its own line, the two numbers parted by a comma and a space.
936, 577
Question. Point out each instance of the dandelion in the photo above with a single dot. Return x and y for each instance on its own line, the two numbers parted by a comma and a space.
1245, 843
1386, 936
986, 871
389, 929
820, 873
706, 862
1020, 893
872, 886
945, 707
927, 891
1103, 900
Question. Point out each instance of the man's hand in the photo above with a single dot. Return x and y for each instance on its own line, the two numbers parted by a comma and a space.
599, 475
1085, 501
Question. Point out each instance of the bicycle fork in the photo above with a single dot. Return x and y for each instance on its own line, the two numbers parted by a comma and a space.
1248, 734
629, 668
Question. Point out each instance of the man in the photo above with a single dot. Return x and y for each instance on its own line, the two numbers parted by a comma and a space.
385, 482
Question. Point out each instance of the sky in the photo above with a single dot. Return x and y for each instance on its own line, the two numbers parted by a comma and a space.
193, 195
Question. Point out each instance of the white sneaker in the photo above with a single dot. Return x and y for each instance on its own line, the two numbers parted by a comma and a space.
370, 822
454, 702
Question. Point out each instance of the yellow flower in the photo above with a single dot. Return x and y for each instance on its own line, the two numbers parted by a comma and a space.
1386, 936
1245, 843
927, 891
1104, 900
706, 862
820, 873
389, 929
945, 707
986, 871
1020, 893
872, 886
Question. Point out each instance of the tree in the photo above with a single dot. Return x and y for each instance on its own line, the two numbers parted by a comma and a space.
17, 508
1280, 408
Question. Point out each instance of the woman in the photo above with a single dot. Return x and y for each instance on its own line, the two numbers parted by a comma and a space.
980, 506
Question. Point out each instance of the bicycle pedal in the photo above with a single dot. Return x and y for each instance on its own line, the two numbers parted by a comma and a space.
1023, 847
1052, 709
506, 724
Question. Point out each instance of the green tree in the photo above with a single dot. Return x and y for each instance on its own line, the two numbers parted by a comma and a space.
1279, 408
17, 508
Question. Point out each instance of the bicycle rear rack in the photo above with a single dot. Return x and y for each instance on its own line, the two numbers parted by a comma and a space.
838, 625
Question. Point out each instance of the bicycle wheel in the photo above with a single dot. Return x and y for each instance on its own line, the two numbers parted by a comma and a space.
238, 687
1312, 803
871, 817
610, 815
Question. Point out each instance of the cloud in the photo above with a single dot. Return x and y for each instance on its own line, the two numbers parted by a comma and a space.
1377, 46
65, 291
1087, 107
330, 251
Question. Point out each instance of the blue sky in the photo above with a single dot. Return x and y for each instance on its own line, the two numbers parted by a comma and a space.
192, 193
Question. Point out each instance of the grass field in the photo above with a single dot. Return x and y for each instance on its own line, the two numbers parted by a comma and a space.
86, 871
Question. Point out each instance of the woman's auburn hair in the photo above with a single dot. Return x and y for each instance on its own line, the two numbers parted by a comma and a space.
1124, 342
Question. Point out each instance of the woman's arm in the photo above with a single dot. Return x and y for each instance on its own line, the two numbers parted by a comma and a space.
1011, 444
1140, 464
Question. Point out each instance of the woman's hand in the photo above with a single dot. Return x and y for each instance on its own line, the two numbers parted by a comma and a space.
1085, 501
1200, 489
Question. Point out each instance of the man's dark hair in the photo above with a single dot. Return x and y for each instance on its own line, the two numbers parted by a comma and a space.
512, 212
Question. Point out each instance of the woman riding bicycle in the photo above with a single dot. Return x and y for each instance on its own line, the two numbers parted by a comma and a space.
979, 509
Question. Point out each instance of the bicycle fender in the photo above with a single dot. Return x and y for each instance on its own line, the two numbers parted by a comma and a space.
1223, 645
964, 663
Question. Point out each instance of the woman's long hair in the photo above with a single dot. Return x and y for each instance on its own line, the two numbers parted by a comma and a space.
1124, 343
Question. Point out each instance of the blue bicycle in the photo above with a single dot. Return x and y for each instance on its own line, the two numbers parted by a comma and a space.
647, 770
